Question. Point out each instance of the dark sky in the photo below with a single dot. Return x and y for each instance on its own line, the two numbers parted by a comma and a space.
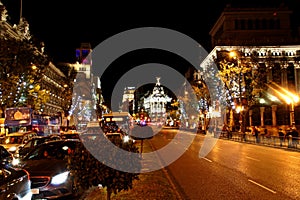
63, 25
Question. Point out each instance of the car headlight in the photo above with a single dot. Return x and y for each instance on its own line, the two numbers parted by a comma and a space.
15, 162
126, 138
12, 149
59, 178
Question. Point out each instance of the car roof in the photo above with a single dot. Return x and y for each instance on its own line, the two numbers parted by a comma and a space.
114, 133
39, 137
58, 142
20, 133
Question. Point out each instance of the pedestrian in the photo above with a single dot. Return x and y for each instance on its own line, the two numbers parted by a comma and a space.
295, 136
281, 136
288, 136
256, 133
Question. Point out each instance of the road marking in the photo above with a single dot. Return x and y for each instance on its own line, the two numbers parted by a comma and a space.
252, 158
295, 157
262, 186
207, 159
218, 148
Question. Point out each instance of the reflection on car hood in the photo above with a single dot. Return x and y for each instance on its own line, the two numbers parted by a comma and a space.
7, 146
44, 167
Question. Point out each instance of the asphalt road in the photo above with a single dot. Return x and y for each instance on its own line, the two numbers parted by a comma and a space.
231, 170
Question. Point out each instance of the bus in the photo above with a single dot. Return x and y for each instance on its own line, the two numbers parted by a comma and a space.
22, 119
116, 120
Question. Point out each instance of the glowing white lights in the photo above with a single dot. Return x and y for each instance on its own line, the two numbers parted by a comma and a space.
59, 178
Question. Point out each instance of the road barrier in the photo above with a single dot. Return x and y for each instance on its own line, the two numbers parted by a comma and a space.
268, 140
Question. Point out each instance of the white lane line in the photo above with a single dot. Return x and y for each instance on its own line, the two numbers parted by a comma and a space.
295, 157
252, 158
218, 148
262, 186
207, 159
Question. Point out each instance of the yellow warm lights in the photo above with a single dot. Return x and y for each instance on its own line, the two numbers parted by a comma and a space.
284, 94
232, 54
239, 109
34, 67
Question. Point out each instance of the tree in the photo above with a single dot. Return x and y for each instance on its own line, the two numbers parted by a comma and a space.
87, 171
243, 80
17, 75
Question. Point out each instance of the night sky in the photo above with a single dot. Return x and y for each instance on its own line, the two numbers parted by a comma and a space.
63, 25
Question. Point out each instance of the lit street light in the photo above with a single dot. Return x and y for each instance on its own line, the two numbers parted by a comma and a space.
290, 99
68, 122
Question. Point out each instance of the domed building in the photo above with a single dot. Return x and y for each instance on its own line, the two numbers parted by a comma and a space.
155, 103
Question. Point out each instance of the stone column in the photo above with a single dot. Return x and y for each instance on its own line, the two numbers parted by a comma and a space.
262, 120
269, 73
274, 120
297, 77
284, 78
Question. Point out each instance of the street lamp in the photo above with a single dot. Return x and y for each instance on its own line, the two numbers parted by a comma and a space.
290, 99
34, 67
68, 122
240, 109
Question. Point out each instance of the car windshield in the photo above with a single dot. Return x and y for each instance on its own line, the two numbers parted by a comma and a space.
13, 140
57, 150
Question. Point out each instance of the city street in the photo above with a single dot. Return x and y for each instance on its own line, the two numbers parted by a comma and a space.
232, 170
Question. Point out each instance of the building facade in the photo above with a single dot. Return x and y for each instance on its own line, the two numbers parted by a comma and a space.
265, 41
155, 103
87, 99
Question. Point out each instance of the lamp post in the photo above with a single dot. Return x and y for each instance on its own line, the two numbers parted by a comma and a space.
68, 122
240, 108
291, 101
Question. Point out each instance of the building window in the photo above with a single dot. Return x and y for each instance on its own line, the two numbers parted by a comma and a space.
271, 24
243, 24
276, 73
250, 24
262, 71
264, 24
290, 71
277, 24
236, 24
257, 24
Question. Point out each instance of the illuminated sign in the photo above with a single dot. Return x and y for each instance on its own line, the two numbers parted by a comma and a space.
20, 113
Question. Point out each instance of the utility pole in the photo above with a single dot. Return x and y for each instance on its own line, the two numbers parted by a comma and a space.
21, 9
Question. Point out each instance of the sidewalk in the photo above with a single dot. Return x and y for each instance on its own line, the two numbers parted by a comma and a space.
151, 186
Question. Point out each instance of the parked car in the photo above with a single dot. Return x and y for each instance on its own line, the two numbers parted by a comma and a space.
33, 142
115, 136
14, 183
5, 156
14, 140
48, 169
